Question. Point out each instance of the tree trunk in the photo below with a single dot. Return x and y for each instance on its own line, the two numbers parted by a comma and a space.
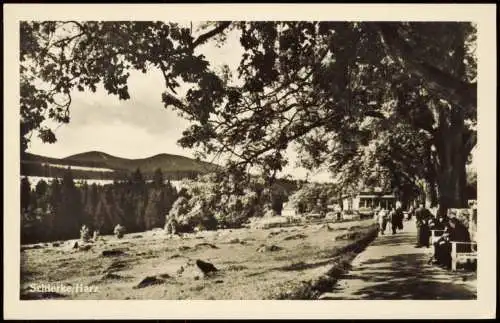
431, 193
451, 157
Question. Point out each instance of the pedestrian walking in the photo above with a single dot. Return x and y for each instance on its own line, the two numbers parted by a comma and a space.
394, 220
400, 215
382, 220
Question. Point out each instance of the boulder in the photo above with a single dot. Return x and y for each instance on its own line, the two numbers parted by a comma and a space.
196, 269
205, 267
112, 252
165, 276
265, 248
115, 266
295, 237
149, 281
111, 276
205, 244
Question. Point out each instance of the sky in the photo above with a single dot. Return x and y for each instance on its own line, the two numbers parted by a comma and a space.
139, 127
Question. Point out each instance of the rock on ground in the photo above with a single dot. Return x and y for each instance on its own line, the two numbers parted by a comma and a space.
149, 281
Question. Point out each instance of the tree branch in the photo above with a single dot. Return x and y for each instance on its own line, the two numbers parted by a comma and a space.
217, 30
452, 89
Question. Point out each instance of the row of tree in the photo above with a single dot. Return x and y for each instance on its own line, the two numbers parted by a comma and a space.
57, 210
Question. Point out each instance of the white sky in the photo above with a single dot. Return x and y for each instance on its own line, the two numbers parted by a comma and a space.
139, 127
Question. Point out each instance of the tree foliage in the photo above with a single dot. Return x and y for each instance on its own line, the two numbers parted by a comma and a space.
356, 96
314, 197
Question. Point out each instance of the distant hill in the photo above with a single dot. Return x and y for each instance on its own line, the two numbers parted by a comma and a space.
99, 165
96, 165
167, 162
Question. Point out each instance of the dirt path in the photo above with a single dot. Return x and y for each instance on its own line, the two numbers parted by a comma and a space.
392, 268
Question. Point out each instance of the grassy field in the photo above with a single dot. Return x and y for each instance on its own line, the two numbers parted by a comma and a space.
251, 264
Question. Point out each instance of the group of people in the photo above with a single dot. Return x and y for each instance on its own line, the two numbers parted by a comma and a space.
454, 230
451, 229
447, 229
395, 216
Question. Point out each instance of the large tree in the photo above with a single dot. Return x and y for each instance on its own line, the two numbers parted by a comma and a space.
317, 84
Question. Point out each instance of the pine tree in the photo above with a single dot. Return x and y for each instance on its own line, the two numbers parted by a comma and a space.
25, 194
139, 199
102, 216
41, 193
69, 216
137, 179
158, 178
92, 197
41, 188
151, 212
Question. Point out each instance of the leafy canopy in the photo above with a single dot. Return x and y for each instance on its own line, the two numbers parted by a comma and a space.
356, 97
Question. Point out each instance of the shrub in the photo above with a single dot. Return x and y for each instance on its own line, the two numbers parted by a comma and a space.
84, 234
313, 197
119, 231
171, 226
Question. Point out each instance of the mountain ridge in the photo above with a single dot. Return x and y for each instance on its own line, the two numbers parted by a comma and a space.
34, 165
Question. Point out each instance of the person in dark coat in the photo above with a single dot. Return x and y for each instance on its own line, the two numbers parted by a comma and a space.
400, 217
393, 215
459, 233
440, 224
454, 231
423, 217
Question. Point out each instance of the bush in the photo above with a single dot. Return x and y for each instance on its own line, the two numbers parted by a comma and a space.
269, 213
84, 234
313, 197
119, 231
95, 235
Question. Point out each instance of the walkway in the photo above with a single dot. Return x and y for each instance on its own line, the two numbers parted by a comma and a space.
392, 268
